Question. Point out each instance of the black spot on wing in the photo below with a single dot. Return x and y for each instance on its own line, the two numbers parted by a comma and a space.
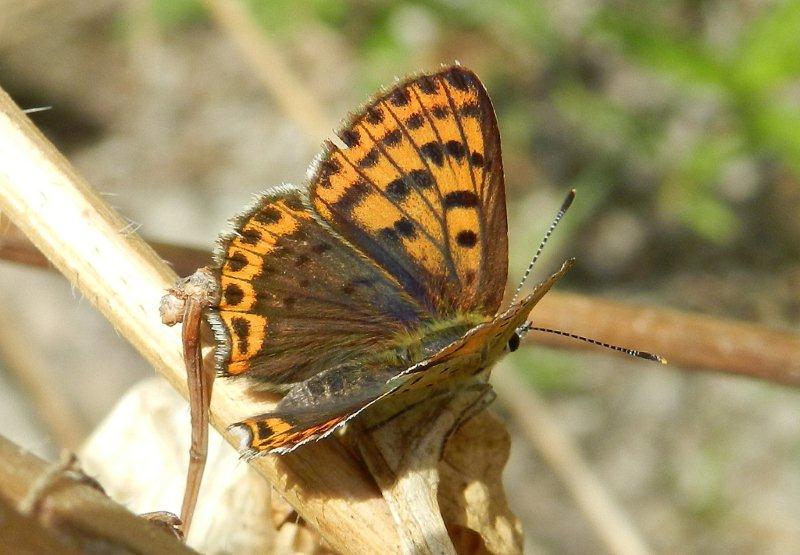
295, 203
401, 228
470, 110
250, 236
374, 115
400, 97
241, 329
398, 188
458, 79
370, 159
405, 227
433, 152
440, 112
422, 178
350, 137
476, 159
466, 238
237, 261
327, 168
427, 84
415, 121
353, 196
455, 149
392, 138
461, 199
267, 215
232, 294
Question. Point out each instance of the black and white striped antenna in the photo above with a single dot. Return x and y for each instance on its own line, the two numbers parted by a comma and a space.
561, 211
522, 330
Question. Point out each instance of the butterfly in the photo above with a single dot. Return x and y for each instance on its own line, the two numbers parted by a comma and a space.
383, 276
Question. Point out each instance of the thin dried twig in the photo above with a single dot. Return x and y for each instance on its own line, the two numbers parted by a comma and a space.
54, 410
690, 341
68, 514
530, 411
82, 237
270, 67
15, 247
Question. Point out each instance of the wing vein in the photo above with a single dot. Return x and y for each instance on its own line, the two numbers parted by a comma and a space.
447, 253
442, 222
375, 186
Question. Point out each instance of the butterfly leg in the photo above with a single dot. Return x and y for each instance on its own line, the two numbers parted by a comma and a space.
185, 303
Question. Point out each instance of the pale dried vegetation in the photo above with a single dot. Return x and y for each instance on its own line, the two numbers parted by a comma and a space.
234, 110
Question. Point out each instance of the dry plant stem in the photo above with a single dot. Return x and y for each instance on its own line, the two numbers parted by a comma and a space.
199, 399
403, 458
14, 246
687, 340
70, 513
540, 427
21, 533
124, 279
690, 341
270, 67
52, 408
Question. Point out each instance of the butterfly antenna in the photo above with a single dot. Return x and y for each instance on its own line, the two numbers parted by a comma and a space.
631, 352
561, 211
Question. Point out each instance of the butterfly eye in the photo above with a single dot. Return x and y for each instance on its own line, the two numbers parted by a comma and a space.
513, 343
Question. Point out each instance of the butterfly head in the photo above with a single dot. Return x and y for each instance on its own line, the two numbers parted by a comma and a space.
510, 325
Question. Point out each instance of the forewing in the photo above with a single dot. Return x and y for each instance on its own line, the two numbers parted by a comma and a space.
295, 299
419, 189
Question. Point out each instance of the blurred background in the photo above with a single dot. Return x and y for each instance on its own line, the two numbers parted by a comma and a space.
678, 122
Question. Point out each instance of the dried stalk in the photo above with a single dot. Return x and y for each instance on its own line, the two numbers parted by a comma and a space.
69, 514
690, 341
54, 410
82, 237
14, 246
540, 427
270, 66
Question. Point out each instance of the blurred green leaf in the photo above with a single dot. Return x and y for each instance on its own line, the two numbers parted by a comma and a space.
769, 53
662, 49
689, 195
178, 13
778, 128
710, 218
549, 370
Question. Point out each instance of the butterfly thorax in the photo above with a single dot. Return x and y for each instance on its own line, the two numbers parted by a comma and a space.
432, 337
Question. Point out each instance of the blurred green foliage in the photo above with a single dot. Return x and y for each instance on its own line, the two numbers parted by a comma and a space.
740, 85
550, 371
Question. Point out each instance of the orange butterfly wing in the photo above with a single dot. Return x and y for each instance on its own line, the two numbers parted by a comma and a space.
295, 299
413, 221
419, 189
